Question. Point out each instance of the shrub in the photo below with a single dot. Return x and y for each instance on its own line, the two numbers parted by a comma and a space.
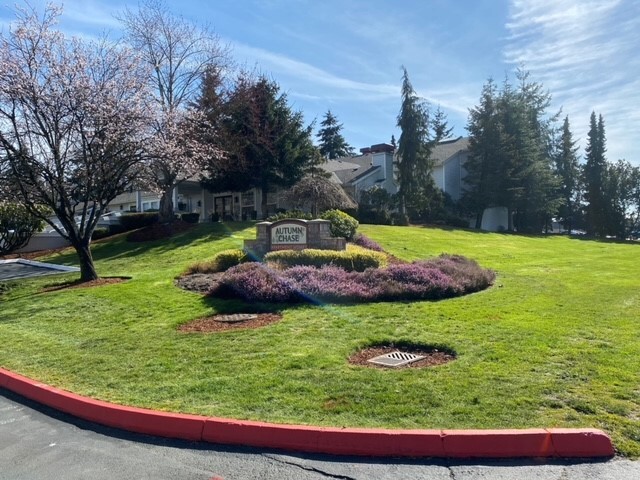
221, 262
353, 259
100, 232
365, 242
400, 219
342, 225
466, 272
290, 214
132, 221
254, 282
190, 217
17, 226
444, 277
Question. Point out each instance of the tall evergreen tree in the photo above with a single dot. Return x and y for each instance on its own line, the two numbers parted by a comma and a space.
483, 164
416, 188
332, 143
266, 143
510, 162
594, 173
568, 170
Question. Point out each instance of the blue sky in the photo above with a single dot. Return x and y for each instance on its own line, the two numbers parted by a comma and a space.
346, 55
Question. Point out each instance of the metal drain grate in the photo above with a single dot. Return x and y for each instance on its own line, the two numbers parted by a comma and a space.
395, 359
236, 317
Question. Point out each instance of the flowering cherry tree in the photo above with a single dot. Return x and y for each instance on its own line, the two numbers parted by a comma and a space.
72, 125
179, 55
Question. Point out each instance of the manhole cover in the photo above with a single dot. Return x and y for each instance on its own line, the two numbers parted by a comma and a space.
395, 359
236, 317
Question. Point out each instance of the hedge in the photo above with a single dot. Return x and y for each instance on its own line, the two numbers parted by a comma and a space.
355, 258
220, 262
132, 221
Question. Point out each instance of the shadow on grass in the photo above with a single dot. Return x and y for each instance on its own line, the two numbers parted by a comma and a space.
587, 238
118, 246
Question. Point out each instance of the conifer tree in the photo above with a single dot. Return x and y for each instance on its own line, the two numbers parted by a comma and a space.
594, 174
482, 180
568, 170
417, 191
510, 161
332, 143
266, 142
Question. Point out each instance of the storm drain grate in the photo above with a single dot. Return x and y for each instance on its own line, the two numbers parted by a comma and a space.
236, 317
395, 359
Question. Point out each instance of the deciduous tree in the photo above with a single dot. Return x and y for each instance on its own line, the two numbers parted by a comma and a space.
179, 54
72, 124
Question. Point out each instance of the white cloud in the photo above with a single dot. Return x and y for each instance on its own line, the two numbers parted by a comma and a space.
311, 75
585, 53
94, 14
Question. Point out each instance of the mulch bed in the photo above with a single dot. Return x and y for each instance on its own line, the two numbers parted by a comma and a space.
210, 324
159, 231
199, 282
432, 357
80, 284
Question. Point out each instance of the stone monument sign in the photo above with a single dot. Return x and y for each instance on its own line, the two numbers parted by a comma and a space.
293, 234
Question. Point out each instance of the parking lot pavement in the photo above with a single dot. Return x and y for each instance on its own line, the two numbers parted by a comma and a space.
39, 443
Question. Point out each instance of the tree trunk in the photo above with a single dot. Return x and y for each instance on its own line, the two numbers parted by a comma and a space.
87, 269
263, 202
510, 220
479, 220
166, 207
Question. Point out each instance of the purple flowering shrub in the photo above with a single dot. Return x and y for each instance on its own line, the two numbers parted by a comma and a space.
443, 277
365, 242
254, 282
466, 272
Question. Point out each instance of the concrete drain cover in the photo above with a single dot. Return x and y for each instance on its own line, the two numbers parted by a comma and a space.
395, 359
236, 317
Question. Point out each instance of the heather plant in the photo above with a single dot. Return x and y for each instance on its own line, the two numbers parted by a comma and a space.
423, 280
365, 242
254, 282
466, 272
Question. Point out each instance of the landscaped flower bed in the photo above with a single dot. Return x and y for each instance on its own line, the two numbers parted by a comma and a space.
443, 277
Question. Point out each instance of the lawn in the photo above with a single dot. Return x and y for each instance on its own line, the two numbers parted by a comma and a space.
555, 342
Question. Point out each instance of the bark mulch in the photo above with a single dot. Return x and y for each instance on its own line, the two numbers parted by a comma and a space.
199, 282
432, 357
211, 324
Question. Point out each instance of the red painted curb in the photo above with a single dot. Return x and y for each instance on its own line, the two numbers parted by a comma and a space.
535, 442
336, 441
139, 420
581, 442
555, 442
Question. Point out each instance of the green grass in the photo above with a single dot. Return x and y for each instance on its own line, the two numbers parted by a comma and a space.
556, 341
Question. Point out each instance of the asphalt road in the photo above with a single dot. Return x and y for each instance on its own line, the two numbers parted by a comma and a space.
39, 443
